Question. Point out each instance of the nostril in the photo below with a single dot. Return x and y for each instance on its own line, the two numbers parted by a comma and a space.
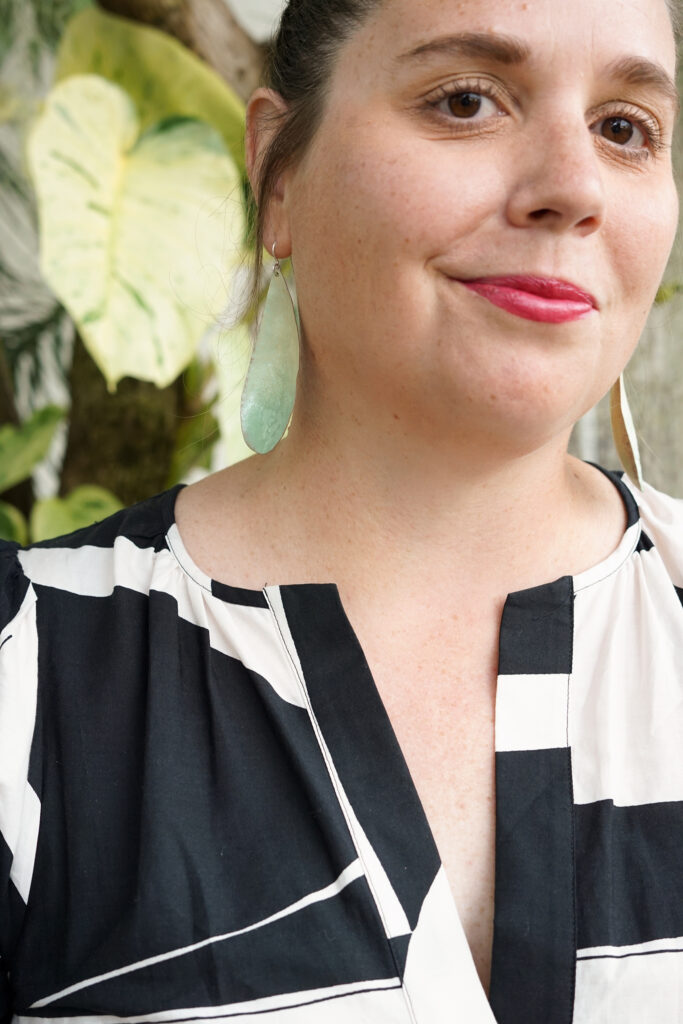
539, 214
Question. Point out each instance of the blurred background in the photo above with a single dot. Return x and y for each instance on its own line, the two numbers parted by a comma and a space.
124, 260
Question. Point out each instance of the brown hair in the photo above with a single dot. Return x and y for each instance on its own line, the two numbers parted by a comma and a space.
299, 65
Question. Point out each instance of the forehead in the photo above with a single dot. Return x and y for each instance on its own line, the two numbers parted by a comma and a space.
579, 31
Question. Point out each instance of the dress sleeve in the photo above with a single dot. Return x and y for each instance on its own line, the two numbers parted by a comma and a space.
19, 803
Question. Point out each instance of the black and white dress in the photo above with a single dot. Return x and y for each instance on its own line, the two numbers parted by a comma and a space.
205, 814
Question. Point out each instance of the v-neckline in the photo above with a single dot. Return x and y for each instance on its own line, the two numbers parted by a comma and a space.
534, 946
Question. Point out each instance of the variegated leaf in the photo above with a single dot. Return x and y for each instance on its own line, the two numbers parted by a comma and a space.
136, 230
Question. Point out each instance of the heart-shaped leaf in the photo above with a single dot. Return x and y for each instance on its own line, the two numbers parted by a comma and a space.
132, 226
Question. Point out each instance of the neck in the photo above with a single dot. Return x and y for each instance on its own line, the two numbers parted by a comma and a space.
498, 521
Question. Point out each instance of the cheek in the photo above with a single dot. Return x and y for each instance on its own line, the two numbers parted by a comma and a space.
641, 241
383, 214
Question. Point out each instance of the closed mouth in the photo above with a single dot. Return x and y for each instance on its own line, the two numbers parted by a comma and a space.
543, 299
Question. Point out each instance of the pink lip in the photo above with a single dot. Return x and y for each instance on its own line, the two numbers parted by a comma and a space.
544, 299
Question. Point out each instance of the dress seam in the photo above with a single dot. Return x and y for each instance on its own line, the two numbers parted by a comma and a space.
327, 760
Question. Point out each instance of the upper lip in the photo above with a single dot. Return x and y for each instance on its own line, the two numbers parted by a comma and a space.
536, 284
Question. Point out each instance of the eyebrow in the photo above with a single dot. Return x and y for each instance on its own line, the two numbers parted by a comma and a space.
500, 48
638, 71
503, 49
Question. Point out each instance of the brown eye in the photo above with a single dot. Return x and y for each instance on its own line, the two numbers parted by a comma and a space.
621, 131
465, 104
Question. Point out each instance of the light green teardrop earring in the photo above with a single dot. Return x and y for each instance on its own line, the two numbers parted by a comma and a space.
624, 433
270, 385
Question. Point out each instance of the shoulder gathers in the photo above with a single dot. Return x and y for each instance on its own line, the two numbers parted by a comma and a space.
662, 522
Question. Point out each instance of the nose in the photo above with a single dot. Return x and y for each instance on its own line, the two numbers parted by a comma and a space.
557, 179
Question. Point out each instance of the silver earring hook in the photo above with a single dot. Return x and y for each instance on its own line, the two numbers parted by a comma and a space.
276, 269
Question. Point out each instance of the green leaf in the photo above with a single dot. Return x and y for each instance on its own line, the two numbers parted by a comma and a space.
12, 524
22, 448
87, 504
130, 234
667, 292
160, 74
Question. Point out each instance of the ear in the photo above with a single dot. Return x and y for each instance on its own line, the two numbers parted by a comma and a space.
264, 112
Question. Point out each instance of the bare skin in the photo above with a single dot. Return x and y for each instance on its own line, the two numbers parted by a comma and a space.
425, 471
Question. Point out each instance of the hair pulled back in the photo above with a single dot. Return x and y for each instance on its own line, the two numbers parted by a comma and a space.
299, 66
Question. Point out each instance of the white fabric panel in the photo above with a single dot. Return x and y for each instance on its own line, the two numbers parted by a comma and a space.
90, 571
656, 946
21, 871
349, 875
531, 712
440, 977
19, 805
634, 990
388, 904
612, 563
240, 632
626, 696
369, 1002
663, 523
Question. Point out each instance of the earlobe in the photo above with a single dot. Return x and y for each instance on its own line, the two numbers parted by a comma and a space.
265, 111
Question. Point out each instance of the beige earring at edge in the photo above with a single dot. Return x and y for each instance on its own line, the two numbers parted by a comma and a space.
624, 433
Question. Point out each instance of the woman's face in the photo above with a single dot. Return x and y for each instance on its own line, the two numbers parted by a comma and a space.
470, 139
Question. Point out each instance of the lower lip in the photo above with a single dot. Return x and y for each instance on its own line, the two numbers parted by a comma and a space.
530, 306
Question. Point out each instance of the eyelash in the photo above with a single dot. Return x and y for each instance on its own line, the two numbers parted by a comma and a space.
648, 125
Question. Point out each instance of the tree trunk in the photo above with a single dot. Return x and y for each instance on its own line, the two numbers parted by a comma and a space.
21, 496
124, 441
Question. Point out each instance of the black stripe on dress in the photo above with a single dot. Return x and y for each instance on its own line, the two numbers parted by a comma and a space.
534, 946
630, 883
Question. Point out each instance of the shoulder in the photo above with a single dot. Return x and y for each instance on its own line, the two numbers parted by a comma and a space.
92, 560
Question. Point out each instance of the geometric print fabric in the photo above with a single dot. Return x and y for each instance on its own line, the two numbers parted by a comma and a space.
205, 813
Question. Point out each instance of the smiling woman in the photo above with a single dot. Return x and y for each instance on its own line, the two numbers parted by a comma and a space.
384, 724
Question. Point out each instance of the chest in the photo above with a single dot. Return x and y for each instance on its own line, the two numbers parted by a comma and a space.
448, 744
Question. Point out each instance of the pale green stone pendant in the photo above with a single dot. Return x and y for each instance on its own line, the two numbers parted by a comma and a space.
270, 385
